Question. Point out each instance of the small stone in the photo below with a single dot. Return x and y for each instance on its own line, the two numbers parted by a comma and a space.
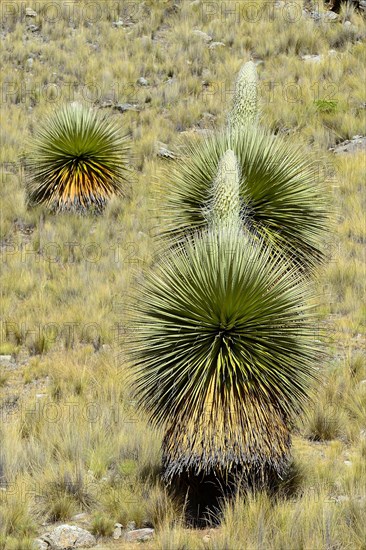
33, 28
165, 153
142, 81
118, 24
347, 24
310, 57
330, 16
30, 62
5, 359
30, 13
324, 16
205, 37
139, 535
123, 107
215, 45
117, 533
342, 498
206, 539
348, 463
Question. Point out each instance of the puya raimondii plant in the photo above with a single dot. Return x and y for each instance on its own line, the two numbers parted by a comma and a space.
280, 187
78, 160
223, 352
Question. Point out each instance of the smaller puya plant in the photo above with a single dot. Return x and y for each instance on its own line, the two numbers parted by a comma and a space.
245, 102
78, 160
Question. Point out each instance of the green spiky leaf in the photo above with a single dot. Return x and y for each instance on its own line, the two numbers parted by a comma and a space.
281, 194
78, 159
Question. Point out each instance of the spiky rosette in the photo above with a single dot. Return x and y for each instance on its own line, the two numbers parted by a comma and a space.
222, 352
78, 159
225, 204
245, 101
280, 191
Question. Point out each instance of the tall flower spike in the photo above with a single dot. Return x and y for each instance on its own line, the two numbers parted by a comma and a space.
245, 104
225, 203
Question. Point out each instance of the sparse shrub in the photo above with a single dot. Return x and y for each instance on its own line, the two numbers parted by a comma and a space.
325, 422
161, 508
102, 525
23, 543
63, 493
16, 517
60, 508
326, 105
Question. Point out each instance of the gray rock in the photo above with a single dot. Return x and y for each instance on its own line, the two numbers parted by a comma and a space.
215, 45
32, 28
40, 544
324, 16
117, 533
5, 359
65, 537
166, 154
29, 62
131, 526
357, 143
142, 81
311, 57
30, 13
118, 24
205, 37
342, 498
123, 107
139, 535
